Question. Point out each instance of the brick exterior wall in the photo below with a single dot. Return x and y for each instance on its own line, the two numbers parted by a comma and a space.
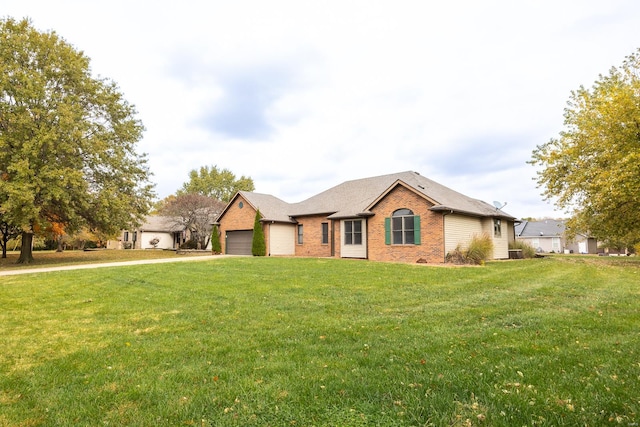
431, 248
236, 218
312, 245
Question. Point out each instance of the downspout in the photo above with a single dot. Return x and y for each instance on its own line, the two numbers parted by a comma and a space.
268, 241
367, 239
333, 239
513, 228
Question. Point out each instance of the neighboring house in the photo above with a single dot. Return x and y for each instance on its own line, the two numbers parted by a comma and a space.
401, 217
161, 229
548, 236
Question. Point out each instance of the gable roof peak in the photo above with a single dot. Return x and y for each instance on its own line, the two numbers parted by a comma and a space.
271, 208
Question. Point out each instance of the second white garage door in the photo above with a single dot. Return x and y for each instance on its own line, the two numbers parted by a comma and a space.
282, 240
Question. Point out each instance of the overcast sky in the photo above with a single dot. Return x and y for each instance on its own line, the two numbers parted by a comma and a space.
301, 96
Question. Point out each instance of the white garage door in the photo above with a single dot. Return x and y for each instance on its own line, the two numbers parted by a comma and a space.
239, 242
282, 239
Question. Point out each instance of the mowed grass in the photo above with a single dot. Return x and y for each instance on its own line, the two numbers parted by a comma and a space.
324, 342
55, 259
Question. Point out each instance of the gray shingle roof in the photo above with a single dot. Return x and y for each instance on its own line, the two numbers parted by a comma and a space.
354, 198
271, 208
543, 228
161, 224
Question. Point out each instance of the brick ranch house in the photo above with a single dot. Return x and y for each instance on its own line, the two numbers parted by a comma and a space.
401, 217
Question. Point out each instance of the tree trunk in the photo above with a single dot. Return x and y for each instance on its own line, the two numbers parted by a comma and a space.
4, 230
60, 246
26, 252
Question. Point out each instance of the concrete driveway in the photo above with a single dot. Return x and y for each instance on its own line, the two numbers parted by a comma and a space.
111, 264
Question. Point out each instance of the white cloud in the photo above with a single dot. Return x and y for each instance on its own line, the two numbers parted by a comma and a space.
301, 95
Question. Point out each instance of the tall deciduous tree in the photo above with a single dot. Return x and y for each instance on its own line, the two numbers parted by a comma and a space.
592, 169
196, 213
67, 140
220, 184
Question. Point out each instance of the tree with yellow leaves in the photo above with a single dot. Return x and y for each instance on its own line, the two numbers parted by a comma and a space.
592, 169
67, 141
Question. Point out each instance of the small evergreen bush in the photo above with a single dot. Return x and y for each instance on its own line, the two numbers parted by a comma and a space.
258, 245
216, 247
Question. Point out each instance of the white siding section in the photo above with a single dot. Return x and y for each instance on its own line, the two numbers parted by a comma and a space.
282, 239
166, 239
501, 243
354, 251
459, 229
539, 244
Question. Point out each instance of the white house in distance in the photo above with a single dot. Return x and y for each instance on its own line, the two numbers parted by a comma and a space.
548, 235
157, 232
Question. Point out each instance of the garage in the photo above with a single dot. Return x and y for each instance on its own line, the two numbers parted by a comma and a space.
239, 242
282, 239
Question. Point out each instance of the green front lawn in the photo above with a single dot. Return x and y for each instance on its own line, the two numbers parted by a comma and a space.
325, 342
55, 259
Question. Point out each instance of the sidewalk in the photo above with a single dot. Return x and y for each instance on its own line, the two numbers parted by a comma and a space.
110, 264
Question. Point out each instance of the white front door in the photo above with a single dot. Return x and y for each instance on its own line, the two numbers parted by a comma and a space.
582, 247
353, 241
